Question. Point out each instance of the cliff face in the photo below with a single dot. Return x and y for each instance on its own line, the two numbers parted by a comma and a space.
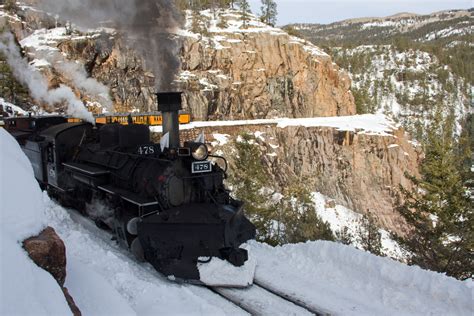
229, 71
260, 72
362, 171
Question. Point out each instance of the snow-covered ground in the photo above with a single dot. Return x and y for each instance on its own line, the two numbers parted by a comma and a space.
339, 217
104, 279
347, 281
15, 110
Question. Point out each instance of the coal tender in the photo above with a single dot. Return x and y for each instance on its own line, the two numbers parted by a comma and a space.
167, 202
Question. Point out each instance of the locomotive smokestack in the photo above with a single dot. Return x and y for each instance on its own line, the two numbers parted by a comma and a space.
169, 103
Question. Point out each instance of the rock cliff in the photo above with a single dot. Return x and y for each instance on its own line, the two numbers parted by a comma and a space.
258, 72
228, 70
360, 170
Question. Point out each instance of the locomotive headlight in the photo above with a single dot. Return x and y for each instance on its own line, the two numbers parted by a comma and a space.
200, 152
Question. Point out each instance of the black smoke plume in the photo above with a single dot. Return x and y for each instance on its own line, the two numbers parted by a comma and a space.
149, 27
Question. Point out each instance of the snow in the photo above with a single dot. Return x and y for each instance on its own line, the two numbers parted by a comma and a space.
378, 24
220, 139
450, 31
340, 217
44, 39
39, 63
347, 281
16, 109
87, 287
367, 123
48, 39
25, 288
327, 275
219, 272
393, 75
143, 289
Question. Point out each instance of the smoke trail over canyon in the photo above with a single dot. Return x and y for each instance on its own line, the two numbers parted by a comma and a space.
37, 84
147, 25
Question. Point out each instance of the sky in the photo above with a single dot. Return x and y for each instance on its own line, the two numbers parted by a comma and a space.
328, 11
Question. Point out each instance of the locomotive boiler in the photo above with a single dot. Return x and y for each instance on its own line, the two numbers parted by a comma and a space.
166, 202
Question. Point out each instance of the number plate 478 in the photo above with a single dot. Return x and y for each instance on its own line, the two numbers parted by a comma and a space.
201, 166
146, 150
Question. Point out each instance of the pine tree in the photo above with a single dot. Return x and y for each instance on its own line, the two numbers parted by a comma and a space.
10, 88
244, 10
438, 209
344, 236
248, 179
11, 6
369, 235
299, 218
268, 12
293, 219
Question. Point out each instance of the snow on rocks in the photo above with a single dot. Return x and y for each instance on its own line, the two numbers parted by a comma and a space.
220, 139
48, 39
347, 281
368, 123
339, 217
15, 110
25, 288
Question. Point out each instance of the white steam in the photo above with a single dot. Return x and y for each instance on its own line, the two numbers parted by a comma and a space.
77, 74
37, 83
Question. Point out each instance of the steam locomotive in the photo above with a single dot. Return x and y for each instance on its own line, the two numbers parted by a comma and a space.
165, 202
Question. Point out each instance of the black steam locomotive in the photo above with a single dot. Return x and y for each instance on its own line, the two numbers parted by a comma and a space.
166, 202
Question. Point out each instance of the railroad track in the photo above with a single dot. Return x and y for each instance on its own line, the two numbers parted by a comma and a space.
259, 299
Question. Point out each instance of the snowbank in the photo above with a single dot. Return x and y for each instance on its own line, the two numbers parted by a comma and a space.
26, 289
347, 281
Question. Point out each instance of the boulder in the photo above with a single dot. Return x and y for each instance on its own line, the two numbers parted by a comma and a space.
47, 250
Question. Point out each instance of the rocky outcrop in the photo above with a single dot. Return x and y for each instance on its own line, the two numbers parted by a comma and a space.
47, 250
227, 72
261, 74
361, 171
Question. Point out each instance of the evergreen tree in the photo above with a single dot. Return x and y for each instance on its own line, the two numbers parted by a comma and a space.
293, 219
299, 218
344, 236
10, 89
244, 10
11, 6
248, 179
438, 209
369, 235
268, 12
